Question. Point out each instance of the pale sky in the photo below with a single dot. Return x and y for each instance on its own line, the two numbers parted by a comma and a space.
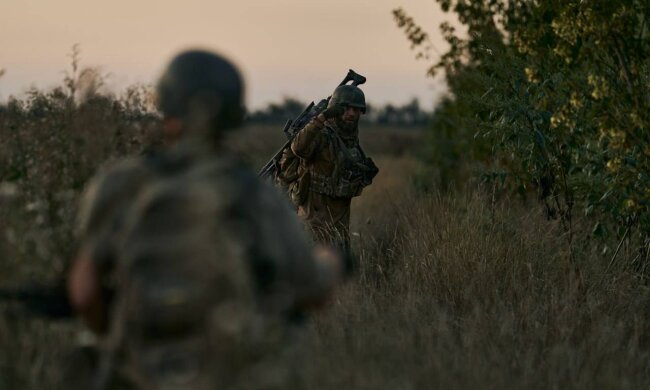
296, 48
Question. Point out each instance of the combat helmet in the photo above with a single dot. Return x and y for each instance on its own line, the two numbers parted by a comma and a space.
348, 96
202, 84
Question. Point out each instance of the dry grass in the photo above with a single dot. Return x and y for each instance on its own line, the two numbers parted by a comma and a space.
455, 293
452, 291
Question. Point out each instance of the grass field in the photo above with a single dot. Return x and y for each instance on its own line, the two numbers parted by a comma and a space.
454, 290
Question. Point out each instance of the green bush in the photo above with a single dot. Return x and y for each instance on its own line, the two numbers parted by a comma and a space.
554, 96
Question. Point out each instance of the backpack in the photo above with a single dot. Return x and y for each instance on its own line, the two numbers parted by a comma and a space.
185, 297
292, 177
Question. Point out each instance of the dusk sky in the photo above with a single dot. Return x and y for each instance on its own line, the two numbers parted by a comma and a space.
295, 48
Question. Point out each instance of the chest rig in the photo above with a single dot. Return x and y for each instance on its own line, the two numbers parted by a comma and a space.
352, 172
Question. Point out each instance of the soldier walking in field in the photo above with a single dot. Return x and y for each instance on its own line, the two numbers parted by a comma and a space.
190, 267
333, 167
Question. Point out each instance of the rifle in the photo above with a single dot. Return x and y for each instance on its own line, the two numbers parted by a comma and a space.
292, 127
49, 301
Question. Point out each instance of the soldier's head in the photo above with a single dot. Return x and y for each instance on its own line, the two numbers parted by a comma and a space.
200, 93
353, 101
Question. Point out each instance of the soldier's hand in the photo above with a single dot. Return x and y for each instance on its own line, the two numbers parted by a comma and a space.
331, 262
333, 112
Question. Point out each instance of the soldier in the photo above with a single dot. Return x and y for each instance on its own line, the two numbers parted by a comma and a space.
190, 267
334, 168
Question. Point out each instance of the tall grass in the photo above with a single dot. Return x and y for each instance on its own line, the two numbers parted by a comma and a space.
455, 292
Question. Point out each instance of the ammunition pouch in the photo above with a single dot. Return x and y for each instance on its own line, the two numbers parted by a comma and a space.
369, 170
299, 189
292, 178
348, 179
347, 186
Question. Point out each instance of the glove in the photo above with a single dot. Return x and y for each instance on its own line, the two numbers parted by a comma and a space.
333, 112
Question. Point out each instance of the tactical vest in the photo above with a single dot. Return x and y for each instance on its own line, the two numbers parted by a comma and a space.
353, 171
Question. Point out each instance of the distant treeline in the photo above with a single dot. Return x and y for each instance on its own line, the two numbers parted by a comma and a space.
407, 115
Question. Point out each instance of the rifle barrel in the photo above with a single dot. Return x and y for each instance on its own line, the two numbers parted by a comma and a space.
263, 172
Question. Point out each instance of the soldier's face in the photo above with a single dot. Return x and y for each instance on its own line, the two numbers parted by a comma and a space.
351, 114
350, 119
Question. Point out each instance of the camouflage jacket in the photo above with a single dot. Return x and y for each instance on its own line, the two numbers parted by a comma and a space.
204, 261
337, 168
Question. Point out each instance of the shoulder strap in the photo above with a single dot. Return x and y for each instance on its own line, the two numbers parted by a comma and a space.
344, 147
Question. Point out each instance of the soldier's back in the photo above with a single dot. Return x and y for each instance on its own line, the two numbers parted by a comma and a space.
211, 265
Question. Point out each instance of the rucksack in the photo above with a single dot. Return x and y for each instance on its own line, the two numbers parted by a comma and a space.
292, 178
185, 297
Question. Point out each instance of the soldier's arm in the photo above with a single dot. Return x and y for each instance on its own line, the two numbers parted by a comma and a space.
85, 292
101, 208
329, 262
307, 140
309, 277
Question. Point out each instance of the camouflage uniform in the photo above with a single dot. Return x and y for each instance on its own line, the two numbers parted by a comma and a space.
206, 265
335, 169
201, 265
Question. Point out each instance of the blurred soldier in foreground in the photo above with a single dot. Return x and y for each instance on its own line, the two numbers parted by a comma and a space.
334, 168
190, 267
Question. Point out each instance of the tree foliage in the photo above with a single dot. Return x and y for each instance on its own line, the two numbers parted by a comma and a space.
553, 94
